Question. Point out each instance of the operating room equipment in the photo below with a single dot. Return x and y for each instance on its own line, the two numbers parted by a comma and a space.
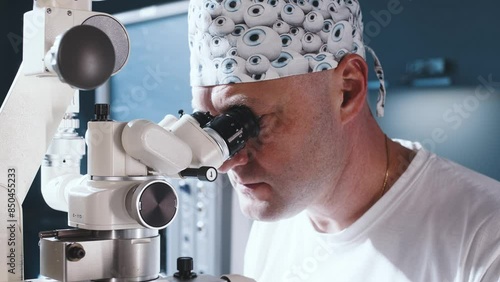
123, 202
60, 39
118, 209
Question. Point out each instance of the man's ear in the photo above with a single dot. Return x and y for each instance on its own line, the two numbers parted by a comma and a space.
353, 72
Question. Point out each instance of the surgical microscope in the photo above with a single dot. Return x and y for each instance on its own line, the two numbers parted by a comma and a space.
117, 209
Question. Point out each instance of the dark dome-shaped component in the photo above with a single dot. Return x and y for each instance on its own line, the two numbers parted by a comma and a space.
85, 58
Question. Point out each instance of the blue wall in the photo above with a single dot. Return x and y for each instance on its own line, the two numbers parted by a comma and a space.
155, 81
460, 122
465, 32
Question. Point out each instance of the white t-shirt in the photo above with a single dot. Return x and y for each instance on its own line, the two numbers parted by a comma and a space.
440, 222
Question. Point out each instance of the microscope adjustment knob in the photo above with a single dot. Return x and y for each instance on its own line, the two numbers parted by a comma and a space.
101, 112
185, 268
204, 173
75, 252
153, 204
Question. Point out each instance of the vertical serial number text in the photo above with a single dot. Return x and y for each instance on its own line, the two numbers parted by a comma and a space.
11, 220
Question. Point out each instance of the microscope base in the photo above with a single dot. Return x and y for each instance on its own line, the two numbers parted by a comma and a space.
200, 278
82, 255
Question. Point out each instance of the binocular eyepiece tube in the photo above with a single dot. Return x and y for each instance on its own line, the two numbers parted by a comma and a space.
231, 129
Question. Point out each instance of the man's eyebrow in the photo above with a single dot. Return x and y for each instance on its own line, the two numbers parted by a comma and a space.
236, 100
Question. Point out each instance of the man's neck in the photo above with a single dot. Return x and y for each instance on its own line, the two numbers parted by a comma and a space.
360, 185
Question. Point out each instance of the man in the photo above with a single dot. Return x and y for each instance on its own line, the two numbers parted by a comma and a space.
334, 198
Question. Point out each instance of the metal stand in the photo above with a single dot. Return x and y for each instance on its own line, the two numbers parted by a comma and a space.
82, 255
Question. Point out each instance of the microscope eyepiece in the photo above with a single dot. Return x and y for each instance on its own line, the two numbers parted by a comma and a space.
202, 118
235, 127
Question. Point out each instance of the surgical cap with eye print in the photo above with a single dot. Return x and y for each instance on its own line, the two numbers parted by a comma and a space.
236, 41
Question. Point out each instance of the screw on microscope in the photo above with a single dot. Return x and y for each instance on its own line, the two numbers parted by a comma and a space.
75, 252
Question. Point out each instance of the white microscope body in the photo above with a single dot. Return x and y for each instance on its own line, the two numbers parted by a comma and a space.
60, 38
123, 202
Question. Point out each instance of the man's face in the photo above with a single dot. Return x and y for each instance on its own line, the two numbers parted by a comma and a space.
295, 159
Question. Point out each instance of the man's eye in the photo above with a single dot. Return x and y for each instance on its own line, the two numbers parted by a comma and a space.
262, 119
266, 123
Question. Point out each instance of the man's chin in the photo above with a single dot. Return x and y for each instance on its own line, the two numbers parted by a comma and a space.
253, 208
259, 201
261, 210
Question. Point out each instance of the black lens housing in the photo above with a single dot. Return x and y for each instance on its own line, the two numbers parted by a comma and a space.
203, 118
236, 126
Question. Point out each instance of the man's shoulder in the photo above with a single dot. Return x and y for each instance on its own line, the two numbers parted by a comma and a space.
459, 178
439, 171
451, 196
466, 199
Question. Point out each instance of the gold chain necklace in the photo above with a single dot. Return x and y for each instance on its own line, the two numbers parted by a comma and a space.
386, 177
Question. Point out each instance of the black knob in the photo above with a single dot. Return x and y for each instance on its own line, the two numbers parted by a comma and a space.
204, 173
101, 112
185, 264
185, 268
75, 252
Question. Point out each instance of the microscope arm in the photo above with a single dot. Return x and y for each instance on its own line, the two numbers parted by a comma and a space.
29, 117
207, 141
55, 55
156, 147
170, 148
60, 38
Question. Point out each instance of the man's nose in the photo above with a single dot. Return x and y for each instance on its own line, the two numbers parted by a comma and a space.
240, 158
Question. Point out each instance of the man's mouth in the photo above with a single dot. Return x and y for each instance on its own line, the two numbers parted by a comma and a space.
251, 186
